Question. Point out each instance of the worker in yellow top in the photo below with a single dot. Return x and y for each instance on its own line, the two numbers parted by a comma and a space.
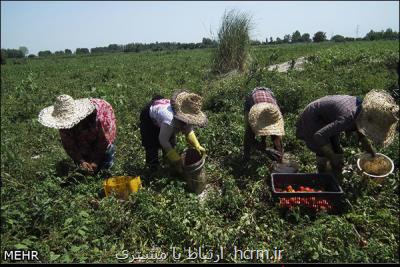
162, 118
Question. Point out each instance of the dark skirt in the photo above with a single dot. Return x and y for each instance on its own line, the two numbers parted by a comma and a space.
149, 132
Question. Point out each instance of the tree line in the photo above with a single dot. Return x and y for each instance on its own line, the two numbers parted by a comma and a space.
320, 36
295, 37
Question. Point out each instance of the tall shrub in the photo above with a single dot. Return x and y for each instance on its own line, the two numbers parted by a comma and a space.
233, 42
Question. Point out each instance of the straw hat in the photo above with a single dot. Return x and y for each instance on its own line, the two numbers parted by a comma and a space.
266, 119
187, 108
378, 117
66, 112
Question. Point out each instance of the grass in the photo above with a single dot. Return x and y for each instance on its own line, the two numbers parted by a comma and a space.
233, 42
38, 212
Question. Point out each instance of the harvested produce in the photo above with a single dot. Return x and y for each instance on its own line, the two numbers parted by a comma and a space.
312, 202
378, 165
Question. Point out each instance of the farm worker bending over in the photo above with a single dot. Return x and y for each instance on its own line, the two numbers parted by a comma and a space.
323, 120
262, 118
162, 118
87, 129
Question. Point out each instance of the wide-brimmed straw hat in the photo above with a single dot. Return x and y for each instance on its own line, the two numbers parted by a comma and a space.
378, 117
187, 108
266, 119
66, 112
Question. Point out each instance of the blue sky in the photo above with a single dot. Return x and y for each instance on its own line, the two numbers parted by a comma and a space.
41, 25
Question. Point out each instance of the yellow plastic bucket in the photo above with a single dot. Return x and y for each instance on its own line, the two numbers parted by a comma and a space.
122, 185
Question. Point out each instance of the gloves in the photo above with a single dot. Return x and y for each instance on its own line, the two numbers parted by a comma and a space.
336, 160
175, 160
191, 139
366, 145
173, 156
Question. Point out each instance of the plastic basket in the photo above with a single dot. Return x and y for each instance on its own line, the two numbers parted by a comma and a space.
329, 198
122, 185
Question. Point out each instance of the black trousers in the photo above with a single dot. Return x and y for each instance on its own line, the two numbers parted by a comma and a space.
149, 133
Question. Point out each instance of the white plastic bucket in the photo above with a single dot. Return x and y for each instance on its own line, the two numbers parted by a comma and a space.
377, 178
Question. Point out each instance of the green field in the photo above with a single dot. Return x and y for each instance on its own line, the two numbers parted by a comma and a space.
61, 223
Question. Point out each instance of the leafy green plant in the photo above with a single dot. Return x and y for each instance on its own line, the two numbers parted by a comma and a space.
233, 42
62, 222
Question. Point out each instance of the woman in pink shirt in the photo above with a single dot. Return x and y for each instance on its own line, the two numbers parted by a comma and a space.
162, 118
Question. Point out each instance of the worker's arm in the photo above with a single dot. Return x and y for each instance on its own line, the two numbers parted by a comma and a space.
366, 144
192, 139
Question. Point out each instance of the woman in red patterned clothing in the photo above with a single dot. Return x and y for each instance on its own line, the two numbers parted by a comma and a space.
87, 129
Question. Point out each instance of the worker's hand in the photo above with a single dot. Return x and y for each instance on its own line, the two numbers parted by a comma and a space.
173, 156
201, 150
192, 139
367, 146
94, 166
274, 155
336, 160
86, 166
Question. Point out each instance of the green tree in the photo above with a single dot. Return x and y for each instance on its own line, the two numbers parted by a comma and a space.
3, 57
286, 38
68, 51
24, 50
319, 37
338, 38
207, 41
44, 53
349, 39
389, 34
82, 51
115, 48
305, 38
296, 37
13, 53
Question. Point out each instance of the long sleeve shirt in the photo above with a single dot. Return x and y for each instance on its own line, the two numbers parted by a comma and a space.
89, 142
259, 95
327, 117
162, 115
